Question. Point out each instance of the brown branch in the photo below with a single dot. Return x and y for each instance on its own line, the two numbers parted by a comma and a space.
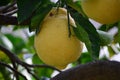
98, 70
10, 20
6, 20
14, 58
12, 61
16, 61
40, 66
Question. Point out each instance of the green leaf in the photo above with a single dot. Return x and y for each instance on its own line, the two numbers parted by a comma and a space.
105, 38
103, 27
2, 41
38, 17
79, 31
30, 44
36, 59
5, 74
106, 27
85, 57
75, 5
26, 8
18, 43
93, 36
117, 36
41, 71
111, 51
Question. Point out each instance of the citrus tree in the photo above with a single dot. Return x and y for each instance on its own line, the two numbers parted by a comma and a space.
59, 40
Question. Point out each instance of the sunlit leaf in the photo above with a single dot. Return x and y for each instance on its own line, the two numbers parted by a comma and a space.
111, 51
18, 43
30, 44
2, 41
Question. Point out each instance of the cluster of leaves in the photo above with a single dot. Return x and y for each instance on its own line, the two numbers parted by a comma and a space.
23, 46
34, 12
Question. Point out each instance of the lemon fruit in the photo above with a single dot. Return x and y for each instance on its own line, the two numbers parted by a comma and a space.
102, 11
53, 45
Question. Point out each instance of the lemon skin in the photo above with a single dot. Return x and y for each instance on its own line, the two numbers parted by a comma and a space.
53, 45
102, 11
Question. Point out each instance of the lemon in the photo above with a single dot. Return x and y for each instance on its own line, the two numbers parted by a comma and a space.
53, 45
102, 11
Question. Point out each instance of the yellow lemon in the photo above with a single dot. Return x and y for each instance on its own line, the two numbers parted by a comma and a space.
53, 45
102, 11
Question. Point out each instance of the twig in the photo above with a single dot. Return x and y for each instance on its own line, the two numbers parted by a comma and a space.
12, 60
6, 20
11, 20
10, 13
4, 8
11, 8
9, 67
15, 60
40, 66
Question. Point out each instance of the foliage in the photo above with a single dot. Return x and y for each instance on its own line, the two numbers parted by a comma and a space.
19, 39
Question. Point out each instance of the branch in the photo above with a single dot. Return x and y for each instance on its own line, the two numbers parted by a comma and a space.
15, 71
10, 12
16, 61
4, 8
6, 20
14, 58
7, 11
11, 20
98, 70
